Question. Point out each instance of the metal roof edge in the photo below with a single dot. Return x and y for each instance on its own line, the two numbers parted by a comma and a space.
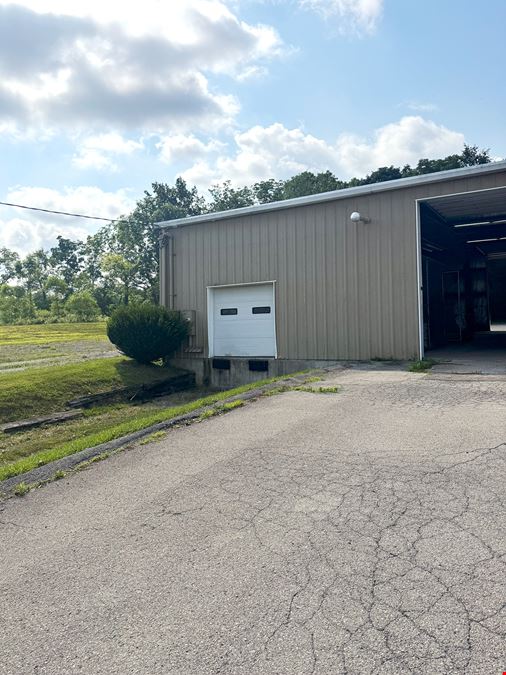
333, 195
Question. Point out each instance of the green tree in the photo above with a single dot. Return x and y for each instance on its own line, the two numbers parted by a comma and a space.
226, 197
135, 237
168, 202
66, 259
266, 191
57, 291
28, 271
382, 174
121, 272
309, 183
93, 251
471, 155
82, 306
15, 305
36, 272
8, 305
8, 262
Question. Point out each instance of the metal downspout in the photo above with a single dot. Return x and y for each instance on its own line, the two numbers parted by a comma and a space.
167, 295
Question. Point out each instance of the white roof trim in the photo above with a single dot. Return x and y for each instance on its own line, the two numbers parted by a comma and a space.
340, 194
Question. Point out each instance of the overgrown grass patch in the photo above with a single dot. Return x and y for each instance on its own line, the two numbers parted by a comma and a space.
206, 414
158, 435
19, 445
232, 405
45, 390
226, 407
93, 460
319, 390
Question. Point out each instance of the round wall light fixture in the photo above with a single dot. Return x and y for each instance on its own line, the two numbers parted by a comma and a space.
356, 217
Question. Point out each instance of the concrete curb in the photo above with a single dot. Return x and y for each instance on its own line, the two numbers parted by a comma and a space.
46, 473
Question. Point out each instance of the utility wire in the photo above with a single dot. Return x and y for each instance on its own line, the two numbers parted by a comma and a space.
59, 213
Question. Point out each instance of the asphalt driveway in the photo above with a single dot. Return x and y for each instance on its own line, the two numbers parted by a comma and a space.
361, 532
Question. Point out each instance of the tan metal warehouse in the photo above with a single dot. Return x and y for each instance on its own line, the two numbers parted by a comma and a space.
328, 287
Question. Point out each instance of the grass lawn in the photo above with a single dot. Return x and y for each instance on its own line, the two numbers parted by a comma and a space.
38, 391
54, 332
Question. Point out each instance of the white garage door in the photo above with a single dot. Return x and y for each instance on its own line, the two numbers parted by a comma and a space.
242, 321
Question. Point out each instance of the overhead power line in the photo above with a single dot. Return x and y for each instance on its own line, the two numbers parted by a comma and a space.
59, 213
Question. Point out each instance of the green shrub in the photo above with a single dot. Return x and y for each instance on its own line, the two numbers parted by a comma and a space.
41, 316
146, 333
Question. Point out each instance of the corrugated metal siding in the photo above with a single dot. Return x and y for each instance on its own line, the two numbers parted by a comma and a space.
343, 291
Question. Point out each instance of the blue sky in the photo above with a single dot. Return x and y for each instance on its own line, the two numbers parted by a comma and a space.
96, 103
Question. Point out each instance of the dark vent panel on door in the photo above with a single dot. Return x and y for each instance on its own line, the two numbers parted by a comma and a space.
228, 311
261, 310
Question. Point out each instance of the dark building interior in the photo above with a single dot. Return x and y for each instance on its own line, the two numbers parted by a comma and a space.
463, 245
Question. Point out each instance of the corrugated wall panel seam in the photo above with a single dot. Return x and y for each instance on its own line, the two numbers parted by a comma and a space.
304, 262
340, 256
323, 295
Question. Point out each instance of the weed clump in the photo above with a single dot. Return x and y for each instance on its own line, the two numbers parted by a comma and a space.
21, 489
421, 366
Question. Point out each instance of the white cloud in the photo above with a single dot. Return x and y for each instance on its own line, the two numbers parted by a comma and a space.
13, 131
84, 65
399, 143
420, 106
97, 152
278, 152
25, 231
264, 152
178, 147
355, 16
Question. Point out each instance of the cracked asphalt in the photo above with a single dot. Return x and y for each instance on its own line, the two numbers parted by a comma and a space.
360, 532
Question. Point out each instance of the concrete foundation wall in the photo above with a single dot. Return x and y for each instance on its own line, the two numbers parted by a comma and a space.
240, 373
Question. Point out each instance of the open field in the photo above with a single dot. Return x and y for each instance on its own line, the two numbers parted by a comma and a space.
24, 347
54, 332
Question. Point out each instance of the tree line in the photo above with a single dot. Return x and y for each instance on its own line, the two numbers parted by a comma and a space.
84, 280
